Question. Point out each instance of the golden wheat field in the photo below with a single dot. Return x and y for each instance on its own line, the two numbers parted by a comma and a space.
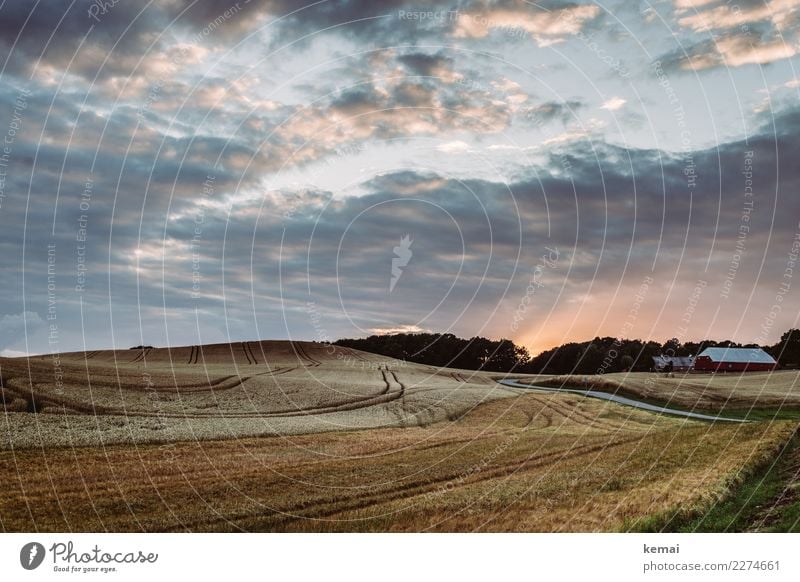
300, 436
225, 391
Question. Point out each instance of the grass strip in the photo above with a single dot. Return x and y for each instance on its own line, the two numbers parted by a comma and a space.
764, 498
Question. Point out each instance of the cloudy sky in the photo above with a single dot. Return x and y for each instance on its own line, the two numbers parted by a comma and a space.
183, 172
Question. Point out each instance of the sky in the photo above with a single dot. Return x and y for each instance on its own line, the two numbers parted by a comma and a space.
184, 172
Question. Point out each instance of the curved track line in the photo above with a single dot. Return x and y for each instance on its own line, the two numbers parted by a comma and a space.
252, 355
301, 352
246, 355
141, 356
356, 355
323, 508
623, 401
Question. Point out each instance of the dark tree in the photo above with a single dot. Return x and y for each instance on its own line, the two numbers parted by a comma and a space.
787, 351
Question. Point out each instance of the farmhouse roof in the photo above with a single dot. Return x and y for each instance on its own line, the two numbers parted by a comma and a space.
754, 355
680, 361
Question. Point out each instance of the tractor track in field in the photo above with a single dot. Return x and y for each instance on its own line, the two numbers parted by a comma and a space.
194, 355
622, 400
246, 355
573, 414
252, 355
141, 356
38, 400
356, 355
385, 381
382, 397
322, 509
458, 377
303, 355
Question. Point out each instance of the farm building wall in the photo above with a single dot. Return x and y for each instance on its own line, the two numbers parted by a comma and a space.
706, 364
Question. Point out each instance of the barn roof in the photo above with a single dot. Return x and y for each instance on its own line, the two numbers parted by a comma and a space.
739, 355
680, 361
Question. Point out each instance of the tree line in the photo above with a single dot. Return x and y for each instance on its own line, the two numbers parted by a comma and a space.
597, 356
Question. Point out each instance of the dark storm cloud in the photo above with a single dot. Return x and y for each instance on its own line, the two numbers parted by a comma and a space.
614, 213
616, 216
564, 111
171, 209
63, 35
292, 20
426, 65
393, 21
74, 37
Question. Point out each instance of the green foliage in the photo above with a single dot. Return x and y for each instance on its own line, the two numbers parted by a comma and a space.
446, 350
599, 356
787, 351
762, 501
627, 362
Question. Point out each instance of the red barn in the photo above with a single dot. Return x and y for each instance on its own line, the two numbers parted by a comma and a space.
734, 360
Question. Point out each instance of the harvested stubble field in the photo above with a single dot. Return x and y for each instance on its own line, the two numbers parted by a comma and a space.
279, 436
225, 391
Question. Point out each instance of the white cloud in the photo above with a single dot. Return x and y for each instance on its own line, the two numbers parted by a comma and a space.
503, 147
398, 329
13, 354
614, 103
547, 27
453, 147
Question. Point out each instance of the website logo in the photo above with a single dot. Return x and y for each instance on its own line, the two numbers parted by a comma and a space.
403, 254
31, 555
